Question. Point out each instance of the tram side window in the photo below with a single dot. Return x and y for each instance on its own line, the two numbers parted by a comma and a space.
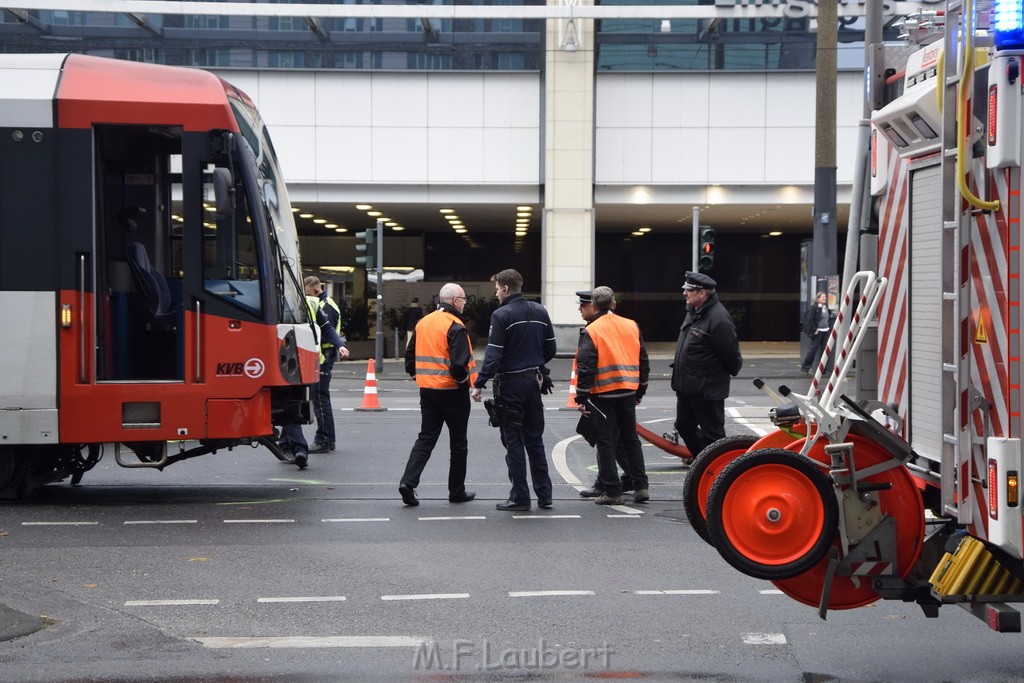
231, 267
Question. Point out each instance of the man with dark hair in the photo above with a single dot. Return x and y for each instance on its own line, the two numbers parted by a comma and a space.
707, 353
520, 342
440, 357
611, 378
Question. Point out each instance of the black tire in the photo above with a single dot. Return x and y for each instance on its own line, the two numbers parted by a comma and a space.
811, 495
271, 445
693, 506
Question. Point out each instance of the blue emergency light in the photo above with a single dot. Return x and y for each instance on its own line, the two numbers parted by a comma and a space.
1008, 22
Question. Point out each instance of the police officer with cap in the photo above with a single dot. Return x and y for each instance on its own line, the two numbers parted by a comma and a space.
520, 342
707, 354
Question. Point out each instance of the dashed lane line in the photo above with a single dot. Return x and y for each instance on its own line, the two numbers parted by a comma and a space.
697, 591
544, 594
358, 519
426, 596
323, 598
763, 639
545, 517
259, 521
59, 523
449, 518
632, 516
311, 641
161, 521
166, 603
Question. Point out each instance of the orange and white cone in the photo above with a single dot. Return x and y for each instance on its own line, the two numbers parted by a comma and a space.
570, 403
370, 402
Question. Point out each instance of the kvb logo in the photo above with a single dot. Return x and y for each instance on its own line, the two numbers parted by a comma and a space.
251, 368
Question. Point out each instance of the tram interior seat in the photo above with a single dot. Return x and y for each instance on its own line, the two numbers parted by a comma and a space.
150, 281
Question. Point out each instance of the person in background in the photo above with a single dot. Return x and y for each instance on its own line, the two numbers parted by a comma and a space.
410, 316
707, 354
816, 324
521, 340
440, 357
324, 440
612, 370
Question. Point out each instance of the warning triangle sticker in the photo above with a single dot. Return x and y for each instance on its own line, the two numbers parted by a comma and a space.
980, 335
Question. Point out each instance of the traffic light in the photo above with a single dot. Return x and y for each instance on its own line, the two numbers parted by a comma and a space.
706, 258
368, 249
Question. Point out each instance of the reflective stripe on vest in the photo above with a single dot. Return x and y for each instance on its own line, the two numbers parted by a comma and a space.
617, 341
337, 326
313, 305
432, 361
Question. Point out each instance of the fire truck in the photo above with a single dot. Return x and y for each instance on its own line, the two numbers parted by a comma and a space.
150, 284
913, 494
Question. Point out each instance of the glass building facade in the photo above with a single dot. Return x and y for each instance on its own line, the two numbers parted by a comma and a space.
296, 42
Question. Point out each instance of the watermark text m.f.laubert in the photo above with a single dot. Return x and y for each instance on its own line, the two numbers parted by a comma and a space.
482, 655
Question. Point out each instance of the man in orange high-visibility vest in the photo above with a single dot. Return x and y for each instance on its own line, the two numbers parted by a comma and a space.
440, 357
612, 369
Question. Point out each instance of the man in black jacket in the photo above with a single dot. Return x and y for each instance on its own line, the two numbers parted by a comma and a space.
707, 353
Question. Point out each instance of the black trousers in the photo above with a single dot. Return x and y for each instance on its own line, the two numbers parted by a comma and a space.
522, 391
322, 408
814, 351
618, 431
699, 421
439, 407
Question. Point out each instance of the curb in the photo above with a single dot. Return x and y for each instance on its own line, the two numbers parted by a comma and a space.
15, 624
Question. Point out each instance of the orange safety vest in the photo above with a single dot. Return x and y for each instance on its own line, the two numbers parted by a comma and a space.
432, 355
617, 341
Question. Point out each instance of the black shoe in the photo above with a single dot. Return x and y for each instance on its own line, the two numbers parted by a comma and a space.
626, 488
322, 448
509, 506
544, 503
301, 459
408, 495
591, 492
463, 497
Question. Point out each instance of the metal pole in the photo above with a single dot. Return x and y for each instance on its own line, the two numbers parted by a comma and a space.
696, 239
379, 337
825, 233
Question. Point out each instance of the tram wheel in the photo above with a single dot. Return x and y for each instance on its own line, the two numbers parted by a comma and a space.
703, 470
772, 514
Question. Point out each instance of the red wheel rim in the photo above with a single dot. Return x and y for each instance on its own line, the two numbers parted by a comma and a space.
902, 502
773, 514
707, 478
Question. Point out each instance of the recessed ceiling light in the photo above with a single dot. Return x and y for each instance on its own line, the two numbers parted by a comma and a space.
524, 208
447, 210
319, 221
296, 209
644, 229
456, 223
523, 214
452, 217
398, 228
637, 233
331, 225
305, 215
775, 233
364, 207
341, 230
374, 214
391, 224
461, 230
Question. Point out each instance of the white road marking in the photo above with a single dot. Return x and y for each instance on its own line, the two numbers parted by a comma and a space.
432, 519
59, 523
541, 594
427, 596
358, 519
162, 521
326, 598
734, 413
770, 591
310, 641
162, 603
626, 510
764, 639
558, 458
545, 516
678, 592
635, 515
259, 521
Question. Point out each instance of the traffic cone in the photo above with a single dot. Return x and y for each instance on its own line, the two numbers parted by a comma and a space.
570, 402
370, 402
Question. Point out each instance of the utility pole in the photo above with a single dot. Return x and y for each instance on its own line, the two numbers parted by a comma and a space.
823, 248
378, 359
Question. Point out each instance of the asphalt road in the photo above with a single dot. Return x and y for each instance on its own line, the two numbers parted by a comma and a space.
236, 567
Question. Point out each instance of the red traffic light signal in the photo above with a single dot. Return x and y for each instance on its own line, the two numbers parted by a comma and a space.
707, 248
